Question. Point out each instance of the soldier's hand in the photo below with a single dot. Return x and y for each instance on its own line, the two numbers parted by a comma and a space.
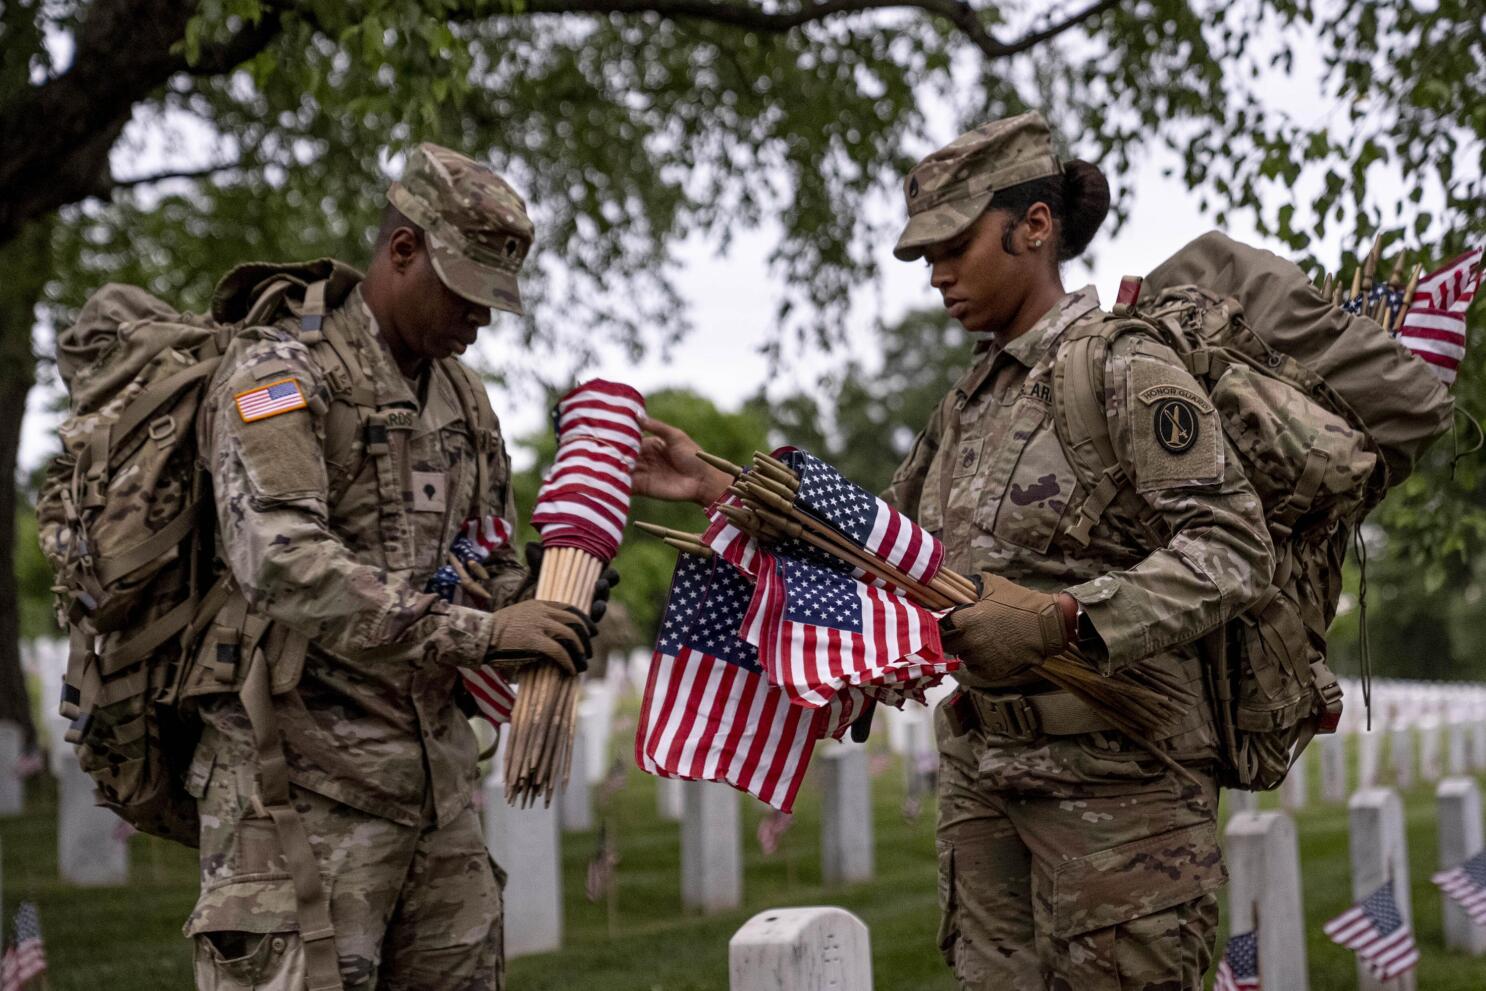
668, 467
1008, 630
601, 588
536, 630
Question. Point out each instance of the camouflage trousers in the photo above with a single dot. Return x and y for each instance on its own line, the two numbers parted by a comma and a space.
413, 907
1071, 864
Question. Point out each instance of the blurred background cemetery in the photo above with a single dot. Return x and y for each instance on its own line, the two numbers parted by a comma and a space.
716, 188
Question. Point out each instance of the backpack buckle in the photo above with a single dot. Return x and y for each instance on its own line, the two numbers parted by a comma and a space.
1329, 694
225, 659
162, 428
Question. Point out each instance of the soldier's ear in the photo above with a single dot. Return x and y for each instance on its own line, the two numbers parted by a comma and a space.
1037, 227
403, 248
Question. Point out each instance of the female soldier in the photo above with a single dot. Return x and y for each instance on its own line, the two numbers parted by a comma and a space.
1068, 857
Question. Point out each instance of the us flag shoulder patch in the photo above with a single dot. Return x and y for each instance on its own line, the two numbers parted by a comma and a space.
265, 401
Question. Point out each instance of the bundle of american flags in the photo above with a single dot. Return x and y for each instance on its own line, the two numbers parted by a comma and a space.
764, 652
1466, 884
585, 498
25, 960
1426, 314
1376, 930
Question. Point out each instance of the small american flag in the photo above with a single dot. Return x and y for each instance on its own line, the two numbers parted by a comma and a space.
1375, 929
270, 400
709, 713
1466, 884
771, 829
821, 629
602, 867
863, 518
478, 540
1239, 968
26, 959
584, 501
1434, 326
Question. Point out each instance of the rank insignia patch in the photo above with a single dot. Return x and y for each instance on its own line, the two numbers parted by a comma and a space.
1176, 425
282, 396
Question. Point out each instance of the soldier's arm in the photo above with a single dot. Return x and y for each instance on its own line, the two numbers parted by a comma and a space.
1218, 558
271, 484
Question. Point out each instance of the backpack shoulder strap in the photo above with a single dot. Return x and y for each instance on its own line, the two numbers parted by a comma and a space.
1079, 416
481, 418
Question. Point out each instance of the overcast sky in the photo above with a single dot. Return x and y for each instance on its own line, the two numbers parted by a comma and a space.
732, 298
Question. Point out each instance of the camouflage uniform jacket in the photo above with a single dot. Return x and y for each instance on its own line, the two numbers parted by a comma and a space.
330, 551
990, 477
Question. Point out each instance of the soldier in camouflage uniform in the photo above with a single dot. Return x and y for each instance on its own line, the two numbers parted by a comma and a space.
333, 547
1068, 857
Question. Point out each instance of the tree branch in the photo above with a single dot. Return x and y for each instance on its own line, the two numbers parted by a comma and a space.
146, 180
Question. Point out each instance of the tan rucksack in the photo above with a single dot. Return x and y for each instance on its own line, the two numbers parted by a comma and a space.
1325, 412
125, 517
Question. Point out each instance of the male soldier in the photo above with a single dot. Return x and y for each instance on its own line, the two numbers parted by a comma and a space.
346, 454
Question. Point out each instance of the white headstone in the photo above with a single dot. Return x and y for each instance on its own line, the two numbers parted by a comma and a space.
1333, 767
596, 717
1295, 792
575, 801
1478, 743
1457, 748
801, 949
1401, 745
525, 843
668, 793
92, 842
1379, 854
1460, 839
12, 789
1264, 880
1368, 746
1431, 766
711, 847
1241, 801
846, 854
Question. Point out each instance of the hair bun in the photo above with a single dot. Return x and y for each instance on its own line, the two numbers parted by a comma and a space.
1085, 205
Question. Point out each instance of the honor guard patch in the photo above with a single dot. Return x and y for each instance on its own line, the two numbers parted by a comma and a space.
1176, 425
283, 396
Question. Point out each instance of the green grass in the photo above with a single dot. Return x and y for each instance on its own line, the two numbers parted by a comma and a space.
128, 939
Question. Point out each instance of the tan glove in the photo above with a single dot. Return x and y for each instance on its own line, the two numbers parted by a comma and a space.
1008, 630
536, 630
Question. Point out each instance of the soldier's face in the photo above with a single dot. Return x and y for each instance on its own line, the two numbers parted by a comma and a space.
982, 286
434, 321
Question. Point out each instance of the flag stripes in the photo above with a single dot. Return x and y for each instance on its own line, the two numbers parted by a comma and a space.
1376, 930
1434, 326
584, 500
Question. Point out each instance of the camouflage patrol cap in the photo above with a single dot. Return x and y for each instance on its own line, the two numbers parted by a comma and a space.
948, 190
476, 224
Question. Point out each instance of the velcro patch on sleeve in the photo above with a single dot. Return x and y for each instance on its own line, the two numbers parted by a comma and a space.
283, 396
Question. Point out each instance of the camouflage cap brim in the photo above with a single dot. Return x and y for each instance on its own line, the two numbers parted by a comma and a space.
475, 282
939, 223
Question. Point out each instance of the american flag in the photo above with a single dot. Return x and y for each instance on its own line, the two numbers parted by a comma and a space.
602, 867
863, 518
479, 539
771, 829
821, 629
1239, 968
26, 959
1434, 326
1376, 930
709, 712
270, 400
1466, 884
584, 501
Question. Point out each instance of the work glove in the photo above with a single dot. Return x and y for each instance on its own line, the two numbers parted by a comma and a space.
536, 630
601, 588
1008, 630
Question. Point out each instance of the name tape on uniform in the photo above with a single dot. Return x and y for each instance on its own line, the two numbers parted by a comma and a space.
283, 396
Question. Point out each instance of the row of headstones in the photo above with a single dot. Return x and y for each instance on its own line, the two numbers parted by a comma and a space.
1265, 879
807, 948
527, 843
1455, 749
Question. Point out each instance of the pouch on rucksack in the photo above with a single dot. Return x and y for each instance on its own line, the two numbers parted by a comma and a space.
125, 516
1325, 412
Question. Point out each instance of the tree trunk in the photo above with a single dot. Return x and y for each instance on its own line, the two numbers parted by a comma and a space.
26, 262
